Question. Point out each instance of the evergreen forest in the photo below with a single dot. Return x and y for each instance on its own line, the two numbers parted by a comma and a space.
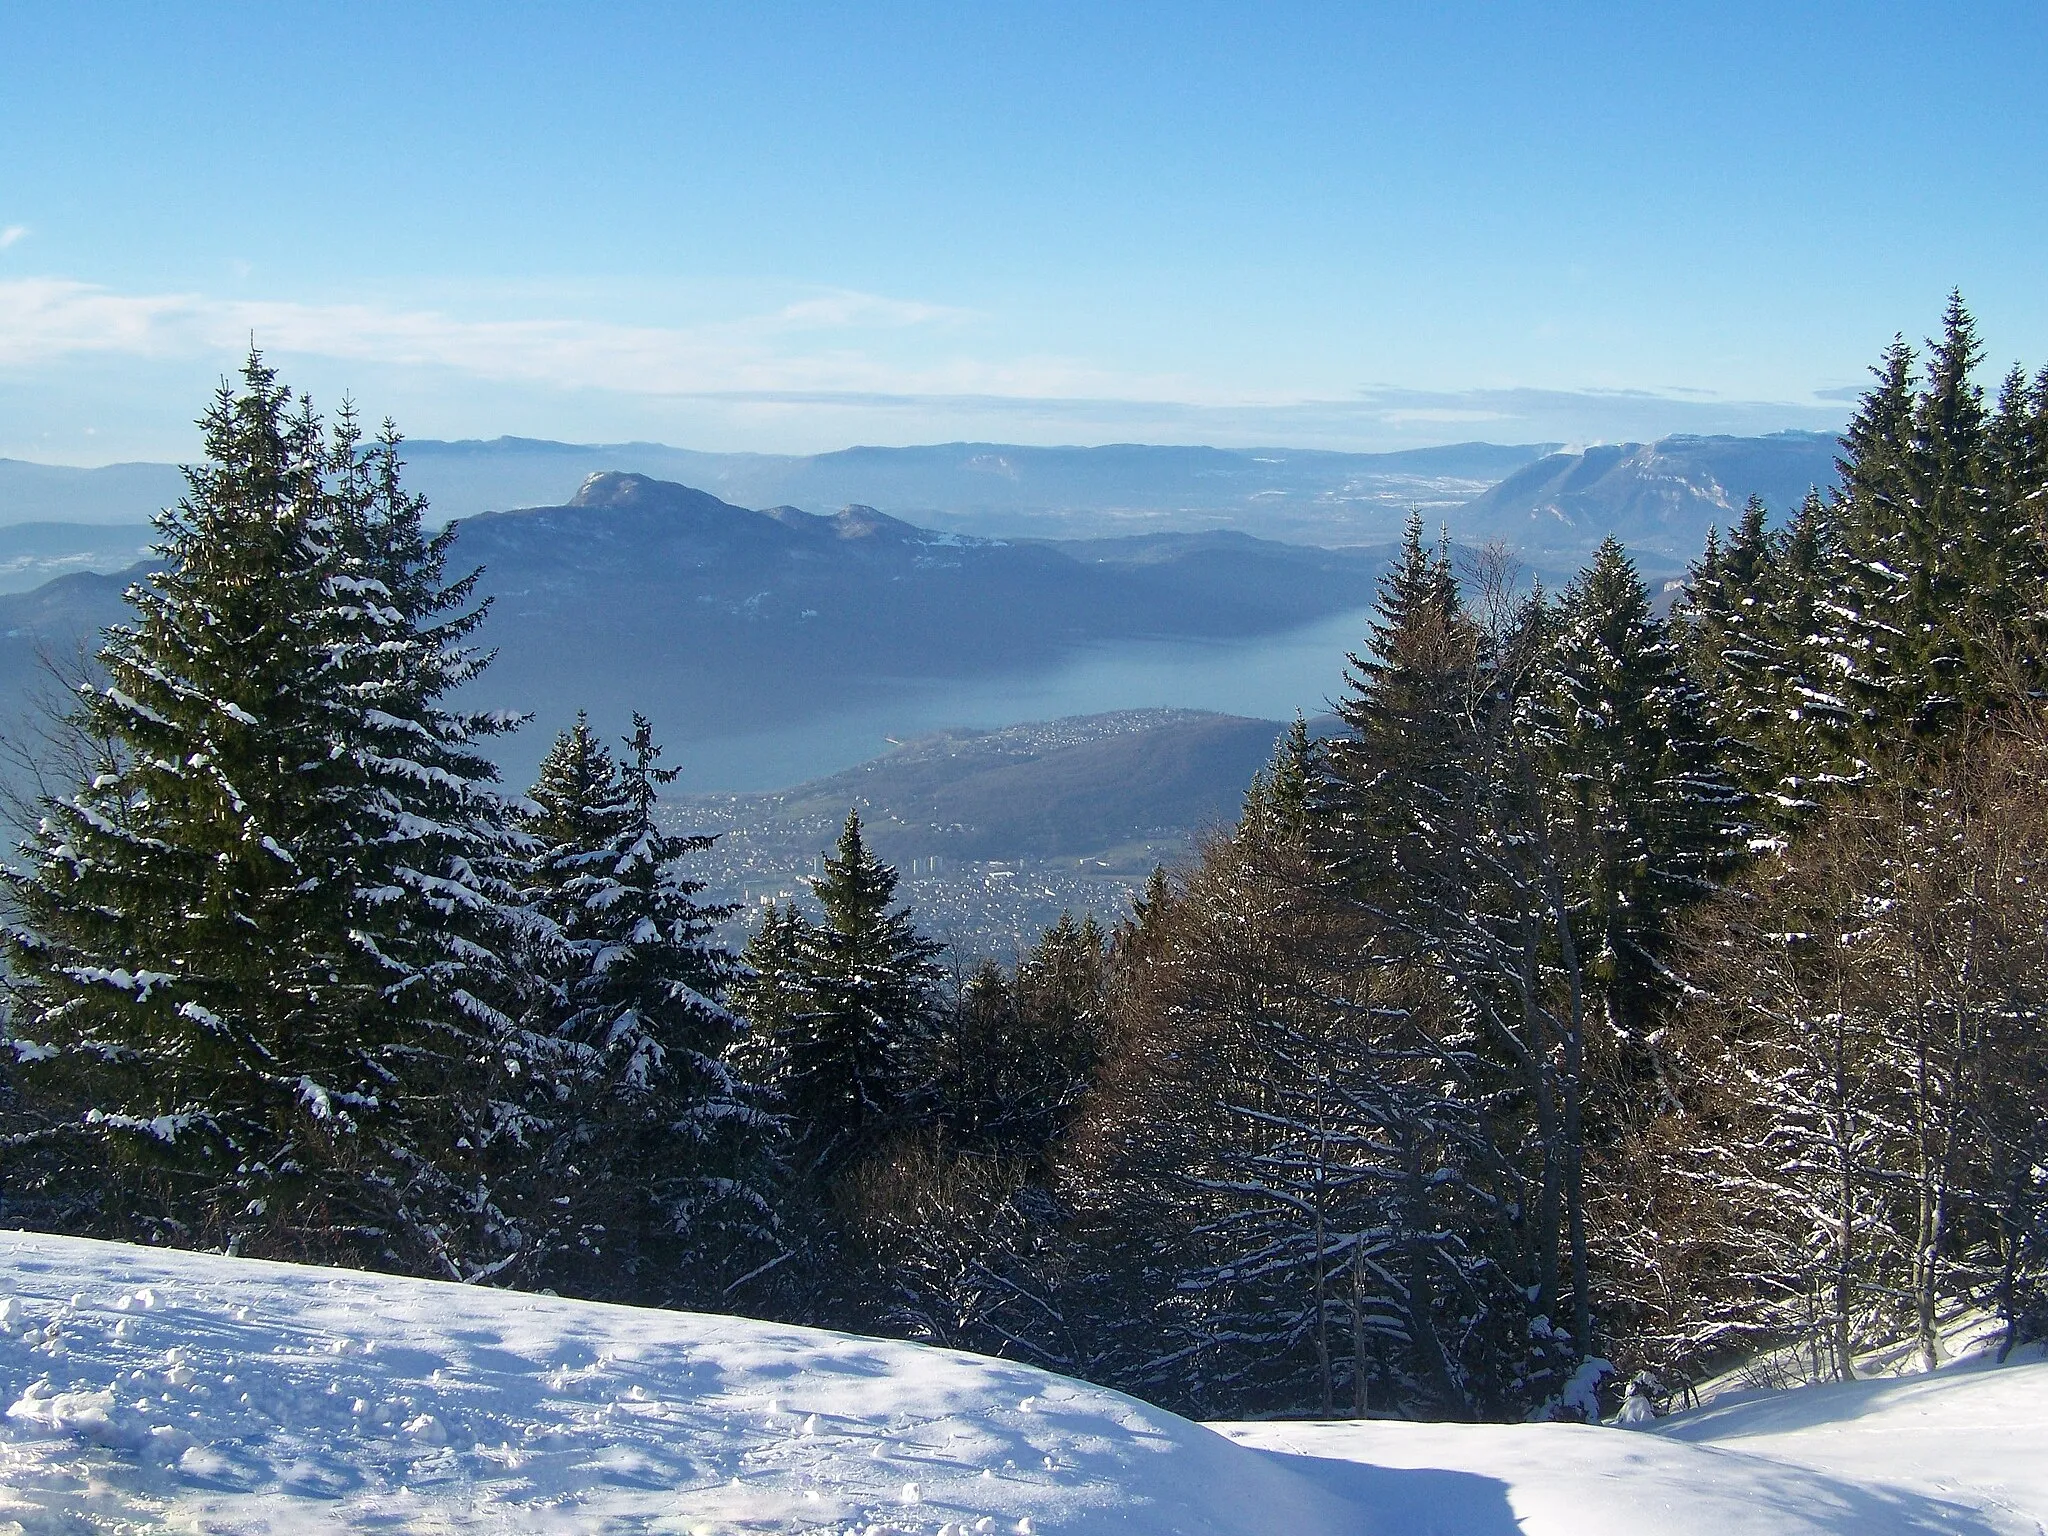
1628, 987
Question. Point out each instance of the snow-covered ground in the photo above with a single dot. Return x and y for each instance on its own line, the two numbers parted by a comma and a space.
147, 1390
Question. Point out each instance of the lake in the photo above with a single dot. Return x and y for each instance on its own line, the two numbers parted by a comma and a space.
1266, 677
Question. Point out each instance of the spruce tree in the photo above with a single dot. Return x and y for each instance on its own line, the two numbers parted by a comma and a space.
1408, 690
245, 967
434, 861
1284, 795
1413, 701
632, 1112
1779, 692
1937, 613
1700, 616
768, 992
843, 1012
1628, 748
1062, 991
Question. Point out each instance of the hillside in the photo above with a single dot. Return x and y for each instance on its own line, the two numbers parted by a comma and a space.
994, 489
716, 620
997, 832
126, 494
1060, 789
59, 621
153, 1390
1657, 498
33, 553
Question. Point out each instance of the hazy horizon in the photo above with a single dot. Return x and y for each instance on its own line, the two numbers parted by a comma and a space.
780, 231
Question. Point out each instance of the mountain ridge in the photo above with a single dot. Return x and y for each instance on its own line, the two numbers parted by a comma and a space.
641, 594
721, 621
1658, 497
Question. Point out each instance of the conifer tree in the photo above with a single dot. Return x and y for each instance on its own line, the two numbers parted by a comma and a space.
1062, 994
1941, 573
1703, 607
632, 1111
1157, 893
1720, 626
247, 954
434, 861
1284, 795
1626, 744
1283, 1165
768, 992
843, 1024
973, 1060
1792, 700
1409, 690
1021, 1051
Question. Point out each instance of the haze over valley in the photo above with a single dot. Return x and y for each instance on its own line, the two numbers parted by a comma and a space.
997, 584
975, 600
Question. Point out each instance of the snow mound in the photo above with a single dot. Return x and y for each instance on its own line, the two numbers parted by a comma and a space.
158, 1389
1962, 1452
149, 1390
1973, 1431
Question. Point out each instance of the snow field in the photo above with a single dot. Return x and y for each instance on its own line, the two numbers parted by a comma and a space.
190, 1392
1579, 1480
1971, 1433
154, 1391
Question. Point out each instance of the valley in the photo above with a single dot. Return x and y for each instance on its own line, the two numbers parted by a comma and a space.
963, 585
995, 832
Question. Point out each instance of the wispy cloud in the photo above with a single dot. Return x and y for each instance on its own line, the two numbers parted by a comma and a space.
13, 234
840, 310
812, 343
831, 368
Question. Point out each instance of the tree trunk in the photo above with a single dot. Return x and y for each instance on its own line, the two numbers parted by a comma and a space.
1358, 1373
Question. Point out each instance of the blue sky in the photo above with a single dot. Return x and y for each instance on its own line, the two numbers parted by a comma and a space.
794, 228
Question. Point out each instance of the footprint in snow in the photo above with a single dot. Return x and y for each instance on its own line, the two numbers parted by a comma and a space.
631, 1469
214, 1466
317, 1480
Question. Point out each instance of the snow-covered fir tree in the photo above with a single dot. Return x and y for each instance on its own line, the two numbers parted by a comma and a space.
1939, 602
644, 1150
1627, 750
1409, 694
253, 955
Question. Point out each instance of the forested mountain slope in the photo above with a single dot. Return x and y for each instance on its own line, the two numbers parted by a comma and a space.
1657, 498
640, 594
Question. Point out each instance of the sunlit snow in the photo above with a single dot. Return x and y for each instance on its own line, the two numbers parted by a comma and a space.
155, 1390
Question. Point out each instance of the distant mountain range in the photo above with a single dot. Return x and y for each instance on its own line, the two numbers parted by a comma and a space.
1657, 498
717, 620
630, 592
1666, 491
995, 489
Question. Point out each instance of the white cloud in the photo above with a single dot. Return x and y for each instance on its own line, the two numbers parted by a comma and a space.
809, 345
13, 234
1439, 414
820, 370
837, 310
